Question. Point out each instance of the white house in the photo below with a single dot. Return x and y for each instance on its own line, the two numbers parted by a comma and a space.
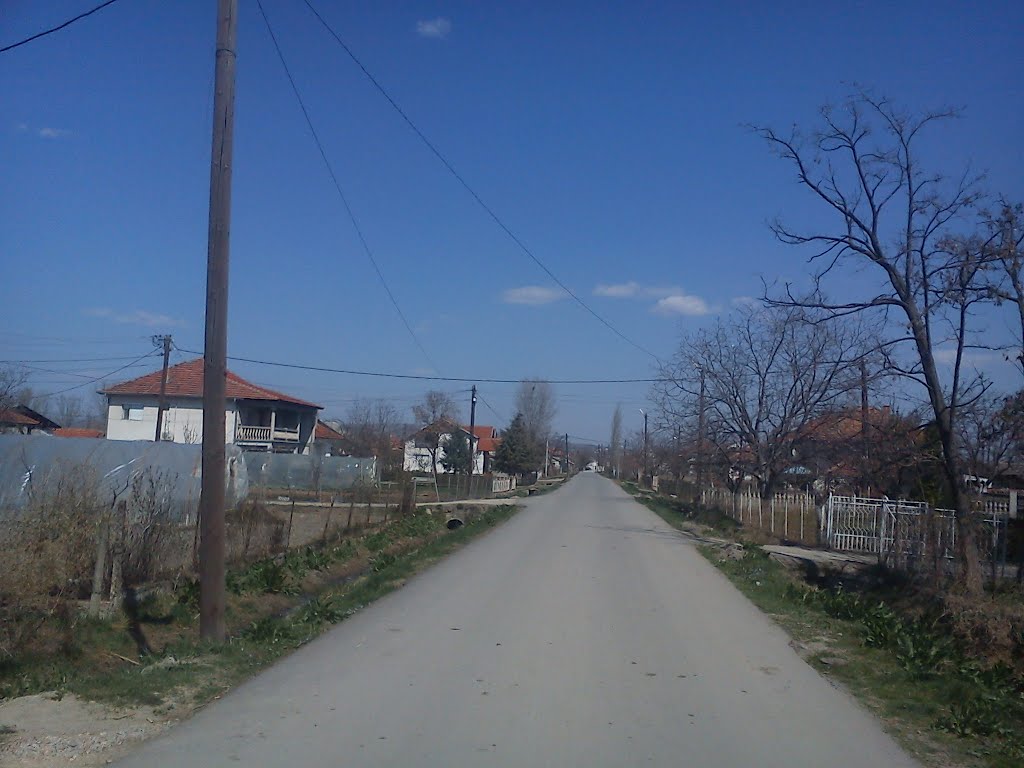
255, 418
417, 447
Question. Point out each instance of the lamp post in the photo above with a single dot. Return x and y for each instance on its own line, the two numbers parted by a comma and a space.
642, 411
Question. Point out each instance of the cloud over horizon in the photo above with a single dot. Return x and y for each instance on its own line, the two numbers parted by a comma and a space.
681, 304
633, 289
533, 295
438, 28
136, 317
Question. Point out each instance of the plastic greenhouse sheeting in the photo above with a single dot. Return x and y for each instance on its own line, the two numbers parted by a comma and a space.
37, 463
311, 473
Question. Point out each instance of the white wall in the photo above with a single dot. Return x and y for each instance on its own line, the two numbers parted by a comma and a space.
418, 459
183, 419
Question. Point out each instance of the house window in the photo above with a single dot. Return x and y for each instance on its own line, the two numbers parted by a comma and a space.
131, 412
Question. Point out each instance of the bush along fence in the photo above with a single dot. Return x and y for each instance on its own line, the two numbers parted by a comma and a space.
790, 515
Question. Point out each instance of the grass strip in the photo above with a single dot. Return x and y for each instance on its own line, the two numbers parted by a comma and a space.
274, 606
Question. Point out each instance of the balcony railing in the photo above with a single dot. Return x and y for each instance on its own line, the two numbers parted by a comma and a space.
247, 434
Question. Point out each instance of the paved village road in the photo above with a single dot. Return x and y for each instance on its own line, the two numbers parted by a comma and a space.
584, 632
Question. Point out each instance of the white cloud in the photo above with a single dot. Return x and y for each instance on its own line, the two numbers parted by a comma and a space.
978, 358
618, 290
532, 294
137, 317
21, 127
53, 133
438, 28
633, 289
682, 304
744, 301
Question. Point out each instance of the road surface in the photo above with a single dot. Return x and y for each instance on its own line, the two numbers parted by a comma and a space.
584, 632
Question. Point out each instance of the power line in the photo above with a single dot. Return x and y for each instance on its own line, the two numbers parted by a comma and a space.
473, 193
337, 185
415, 377
71, 360
98, 378
58, 28
491, 408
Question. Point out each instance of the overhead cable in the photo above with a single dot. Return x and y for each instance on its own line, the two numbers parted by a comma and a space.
420, 377
59, 27
472, 192
337, 186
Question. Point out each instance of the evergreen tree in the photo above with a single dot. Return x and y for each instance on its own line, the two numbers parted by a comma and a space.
517, 454
457, 456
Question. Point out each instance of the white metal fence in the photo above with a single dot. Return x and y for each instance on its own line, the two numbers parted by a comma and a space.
911, 532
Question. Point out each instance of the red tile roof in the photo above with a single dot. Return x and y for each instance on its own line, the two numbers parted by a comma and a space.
324, 432
484, 431
186, 380
488, 444
13, 417
77, 432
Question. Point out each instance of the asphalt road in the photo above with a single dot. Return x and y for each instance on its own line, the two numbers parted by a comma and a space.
584, 632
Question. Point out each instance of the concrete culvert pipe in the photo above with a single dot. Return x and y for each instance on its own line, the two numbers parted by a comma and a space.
453, 523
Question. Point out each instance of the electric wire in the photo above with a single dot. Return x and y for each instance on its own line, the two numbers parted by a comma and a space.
58, 28
422, 377
100, 378
337, 185
472, 192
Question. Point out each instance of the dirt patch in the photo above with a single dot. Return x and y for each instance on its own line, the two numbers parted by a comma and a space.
45, 730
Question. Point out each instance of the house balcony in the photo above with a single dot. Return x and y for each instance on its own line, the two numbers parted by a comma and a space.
266, 435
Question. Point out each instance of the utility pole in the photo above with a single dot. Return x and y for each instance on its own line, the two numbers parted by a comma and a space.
567, 462
162, 402
472, 433
863, 426
211, 498
700, 434
645, 446
547, 455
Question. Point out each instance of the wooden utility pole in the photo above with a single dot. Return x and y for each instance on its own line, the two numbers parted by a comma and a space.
211, 499
567, 462
162, 402
864, 442
701, 424
472, 433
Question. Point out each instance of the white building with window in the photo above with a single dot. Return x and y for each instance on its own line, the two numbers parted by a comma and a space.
255, 418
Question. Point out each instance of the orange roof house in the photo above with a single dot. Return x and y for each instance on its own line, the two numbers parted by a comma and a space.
257, 418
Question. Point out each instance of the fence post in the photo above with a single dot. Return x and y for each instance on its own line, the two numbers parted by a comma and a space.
785, 519
291, 516
773, 513
100, 571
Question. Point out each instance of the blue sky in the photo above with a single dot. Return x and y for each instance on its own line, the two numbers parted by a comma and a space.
610, 137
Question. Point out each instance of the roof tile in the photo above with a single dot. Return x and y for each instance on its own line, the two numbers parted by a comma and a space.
186, 380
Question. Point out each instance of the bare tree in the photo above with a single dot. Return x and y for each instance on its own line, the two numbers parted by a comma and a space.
535, 399
891, 215
615, 455
435, 416
1002, 246
368, 424
762, 378
12, 386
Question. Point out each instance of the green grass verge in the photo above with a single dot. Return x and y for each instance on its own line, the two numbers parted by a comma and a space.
944, 706
274, 607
